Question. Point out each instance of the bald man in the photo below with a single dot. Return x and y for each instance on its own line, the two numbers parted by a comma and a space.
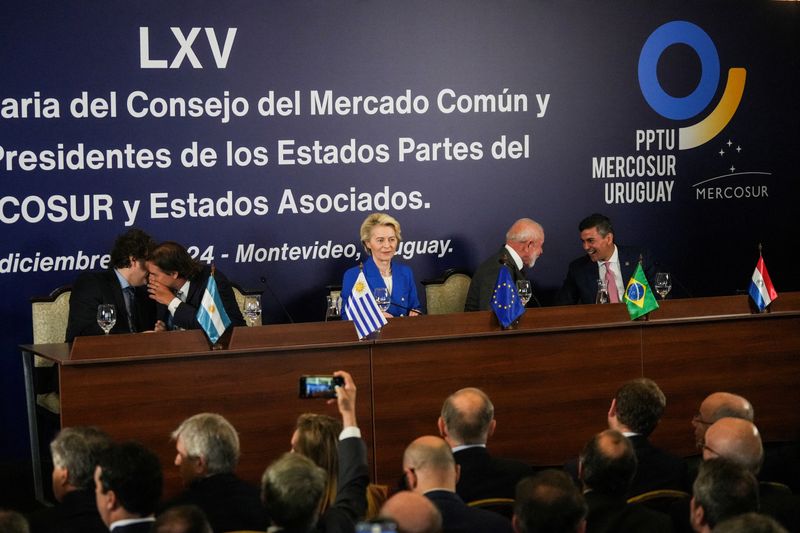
430, 470
524, 242
466, 423
412, 512
719, 405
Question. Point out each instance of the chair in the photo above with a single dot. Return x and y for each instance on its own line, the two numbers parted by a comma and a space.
240, 294
659, 500
49, 316
502, 506
447, 293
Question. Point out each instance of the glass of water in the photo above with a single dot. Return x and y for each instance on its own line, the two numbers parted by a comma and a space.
524, 290
252, 309
106, 317
663, 284
381, 295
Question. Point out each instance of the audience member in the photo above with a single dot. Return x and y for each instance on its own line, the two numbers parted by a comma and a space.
12, 522
207, 448
722, 490
431, 470
524, 242
750, 523
549, 502
606, 468
292, 487
466, 423
182, 519
75, 452
719, 405
412, 512
317, 437
128, 484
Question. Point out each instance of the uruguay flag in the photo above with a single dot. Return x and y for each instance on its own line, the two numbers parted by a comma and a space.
211, 315
362, 309
761, 290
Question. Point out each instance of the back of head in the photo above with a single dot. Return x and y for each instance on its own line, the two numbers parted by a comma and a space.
182, 519
736, 440
608, 463
596, 220
13, 522
291, 489
640, 404
77, 450
318, 439
724, 489
413, 513
432, 463
467, 415
750, 523
134, 474
726, 405
172, 257
133, 243
549, 502
212, 437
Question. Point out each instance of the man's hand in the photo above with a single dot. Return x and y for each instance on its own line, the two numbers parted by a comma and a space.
160, 292
346, 399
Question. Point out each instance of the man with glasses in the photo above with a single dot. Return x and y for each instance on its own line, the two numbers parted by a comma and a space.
719, 405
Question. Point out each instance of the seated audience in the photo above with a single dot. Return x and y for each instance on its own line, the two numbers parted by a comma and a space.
722, 490
431, 470
549, 502
128, 485
719, 405
606, 468
182, 519
75, 452
13, 522
466, 423
750, 523
207, 448
412, 512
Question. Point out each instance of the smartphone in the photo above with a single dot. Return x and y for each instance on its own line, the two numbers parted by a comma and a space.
376, 526
319, 386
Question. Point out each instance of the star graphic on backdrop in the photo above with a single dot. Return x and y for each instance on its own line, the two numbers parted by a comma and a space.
729, 143
721, 152
733, 168
738, 149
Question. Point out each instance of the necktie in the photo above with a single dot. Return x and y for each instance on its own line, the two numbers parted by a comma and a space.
611, 285
130, 307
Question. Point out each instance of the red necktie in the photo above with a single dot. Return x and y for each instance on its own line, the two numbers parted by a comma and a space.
611, 285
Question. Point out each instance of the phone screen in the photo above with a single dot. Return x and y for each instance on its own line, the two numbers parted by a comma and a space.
319, 386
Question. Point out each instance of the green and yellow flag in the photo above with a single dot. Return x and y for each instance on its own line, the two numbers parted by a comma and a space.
638, 296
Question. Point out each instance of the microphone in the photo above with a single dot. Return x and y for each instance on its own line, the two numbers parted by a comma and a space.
263, 279
407, 309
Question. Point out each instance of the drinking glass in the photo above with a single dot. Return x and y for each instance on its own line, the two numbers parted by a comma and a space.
663, 284
381, 295
106, 317
252, 309
524, 290
602, 293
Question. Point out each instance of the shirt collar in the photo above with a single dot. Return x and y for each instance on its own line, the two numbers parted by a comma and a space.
515, 256
614, 259
122, 281
467, 446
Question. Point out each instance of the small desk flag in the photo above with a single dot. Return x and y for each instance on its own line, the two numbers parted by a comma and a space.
211, 315
638, 296
362, 309
505, 299
761, 289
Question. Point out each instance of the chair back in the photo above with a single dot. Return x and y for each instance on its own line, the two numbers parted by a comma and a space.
659, 500
447, 293
239, 293
50, 314
502, 506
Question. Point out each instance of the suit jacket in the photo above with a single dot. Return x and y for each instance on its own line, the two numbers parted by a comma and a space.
657, 469
94, 288
186, 314
484, 476
404, 288
481, 287
458, 517
76, 513
580, 285
351, 490
230, 504
608, 514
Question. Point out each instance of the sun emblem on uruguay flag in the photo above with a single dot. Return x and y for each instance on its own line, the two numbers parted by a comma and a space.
635, 291
360, 286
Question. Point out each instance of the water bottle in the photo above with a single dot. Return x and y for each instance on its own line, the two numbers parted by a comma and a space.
602, 293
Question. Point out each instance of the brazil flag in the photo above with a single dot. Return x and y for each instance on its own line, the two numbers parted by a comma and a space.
638, 296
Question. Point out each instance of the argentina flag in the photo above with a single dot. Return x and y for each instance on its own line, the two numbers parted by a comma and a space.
211, 315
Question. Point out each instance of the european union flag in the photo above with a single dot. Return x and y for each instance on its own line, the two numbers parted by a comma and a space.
505, 300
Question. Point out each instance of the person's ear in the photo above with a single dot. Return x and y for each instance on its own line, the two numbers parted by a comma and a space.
612, 411
492, 426
442, 427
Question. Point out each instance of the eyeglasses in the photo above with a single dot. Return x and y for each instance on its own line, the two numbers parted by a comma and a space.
697, 419
712, 451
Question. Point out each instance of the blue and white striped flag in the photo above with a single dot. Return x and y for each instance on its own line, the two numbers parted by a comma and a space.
211, 315
362, 309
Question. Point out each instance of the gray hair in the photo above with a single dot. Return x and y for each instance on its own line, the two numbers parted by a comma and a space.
76, 449
210, 436
724, 489
468, 427
291, 489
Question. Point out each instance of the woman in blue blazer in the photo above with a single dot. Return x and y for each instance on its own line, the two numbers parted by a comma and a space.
380, 235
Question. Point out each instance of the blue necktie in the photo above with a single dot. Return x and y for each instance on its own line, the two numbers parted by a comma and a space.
130, 306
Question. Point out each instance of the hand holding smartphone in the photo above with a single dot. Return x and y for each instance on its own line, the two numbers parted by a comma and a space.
319, 386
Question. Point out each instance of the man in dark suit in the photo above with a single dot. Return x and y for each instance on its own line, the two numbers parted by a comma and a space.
549, 502
604, 260
122, 286
466, 423
524, 241
177, 282
430, 470
75, 451
722, 490
128, 485
607, 466
207, 448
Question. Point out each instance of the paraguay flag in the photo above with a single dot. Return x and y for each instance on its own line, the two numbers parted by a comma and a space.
761, 290
362, 309
211, 315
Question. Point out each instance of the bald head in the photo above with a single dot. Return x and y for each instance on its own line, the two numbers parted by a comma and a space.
526, 237
736, 440
608, 463
719, 405
467, 418
428, 463
413, 513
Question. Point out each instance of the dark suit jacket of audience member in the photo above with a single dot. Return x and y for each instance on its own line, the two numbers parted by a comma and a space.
608, 514
76, 513
481, 288
230, 504
351, 492
186, 313
484, 476
580, 285
94, 288
458, 517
